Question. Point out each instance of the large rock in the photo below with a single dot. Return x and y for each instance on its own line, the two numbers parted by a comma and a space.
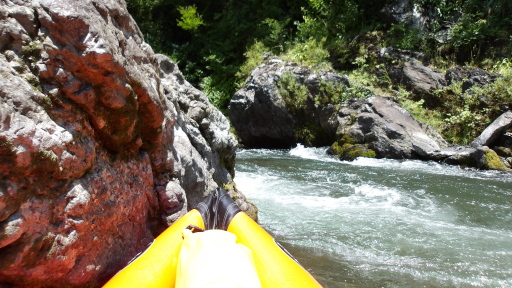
388, 55
421, 80
481, 157
203, 150
470, 76
494, 131
261, 116
102, 143
387, 129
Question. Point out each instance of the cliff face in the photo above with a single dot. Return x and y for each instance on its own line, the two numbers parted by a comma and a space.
102, 142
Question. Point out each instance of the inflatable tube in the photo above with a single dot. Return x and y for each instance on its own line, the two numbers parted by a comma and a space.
275, 267
157, 266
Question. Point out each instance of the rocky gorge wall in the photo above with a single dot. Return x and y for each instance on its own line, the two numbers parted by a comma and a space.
103, 143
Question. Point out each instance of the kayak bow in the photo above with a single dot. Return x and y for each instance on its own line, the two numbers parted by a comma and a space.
157, 266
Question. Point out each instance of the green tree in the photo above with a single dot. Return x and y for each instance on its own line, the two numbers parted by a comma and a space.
190, 20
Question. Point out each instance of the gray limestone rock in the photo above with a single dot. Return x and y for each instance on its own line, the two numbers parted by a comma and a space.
261, 117
387, 129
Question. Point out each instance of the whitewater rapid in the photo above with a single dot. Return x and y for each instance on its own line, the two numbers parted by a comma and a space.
383, 223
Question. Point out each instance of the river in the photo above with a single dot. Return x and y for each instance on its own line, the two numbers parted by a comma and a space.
381, 222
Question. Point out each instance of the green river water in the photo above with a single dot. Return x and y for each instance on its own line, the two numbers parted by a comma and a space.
383, 223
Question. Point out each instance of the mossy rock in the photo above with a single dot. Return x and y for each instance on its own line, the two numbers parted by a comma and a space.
492, 161
482, 158
350, 152
252, 213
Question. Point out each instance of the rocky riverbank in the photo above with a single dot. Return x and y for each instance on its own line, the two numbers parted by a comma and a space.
283, 103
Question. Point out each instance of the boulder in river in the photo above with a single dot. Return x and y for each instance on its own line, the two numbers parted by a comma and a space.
482, 157
102, 143
265, 118
387, 129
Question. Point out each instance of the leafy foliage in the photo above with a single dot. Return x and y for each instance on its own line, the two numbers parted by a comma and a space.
190, 19
218, 43
404, 37
254, 57
462, 116
293, 93
309, 54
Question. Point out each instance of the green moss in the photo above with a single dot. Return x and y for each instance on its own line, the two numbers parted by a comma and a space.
345, 149
229, 187
493, 161
253, 213
353, 118
34, 82
31, 52
47, 102
354, 152
346, 139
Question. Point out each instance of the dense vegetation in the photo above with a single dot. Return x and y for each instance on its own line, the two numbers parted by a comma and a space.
217, 44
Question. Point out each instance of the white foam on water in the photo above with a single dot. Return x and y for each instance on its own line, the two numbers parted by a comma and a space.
430, 167
312, 153
384, 230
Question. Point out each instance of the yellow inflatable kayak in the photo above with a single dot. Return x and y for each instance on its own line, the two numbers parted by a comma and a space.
159, 265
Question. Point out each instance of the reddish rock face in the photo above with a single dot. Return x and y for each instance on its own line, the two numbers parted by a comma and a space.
102, 143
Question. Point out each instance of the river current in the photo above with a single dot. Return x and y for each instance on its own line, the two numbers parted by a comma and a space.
381, 222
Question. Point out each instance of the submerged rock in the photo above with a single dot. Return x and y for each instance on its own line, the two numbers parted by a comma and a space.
102, 143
